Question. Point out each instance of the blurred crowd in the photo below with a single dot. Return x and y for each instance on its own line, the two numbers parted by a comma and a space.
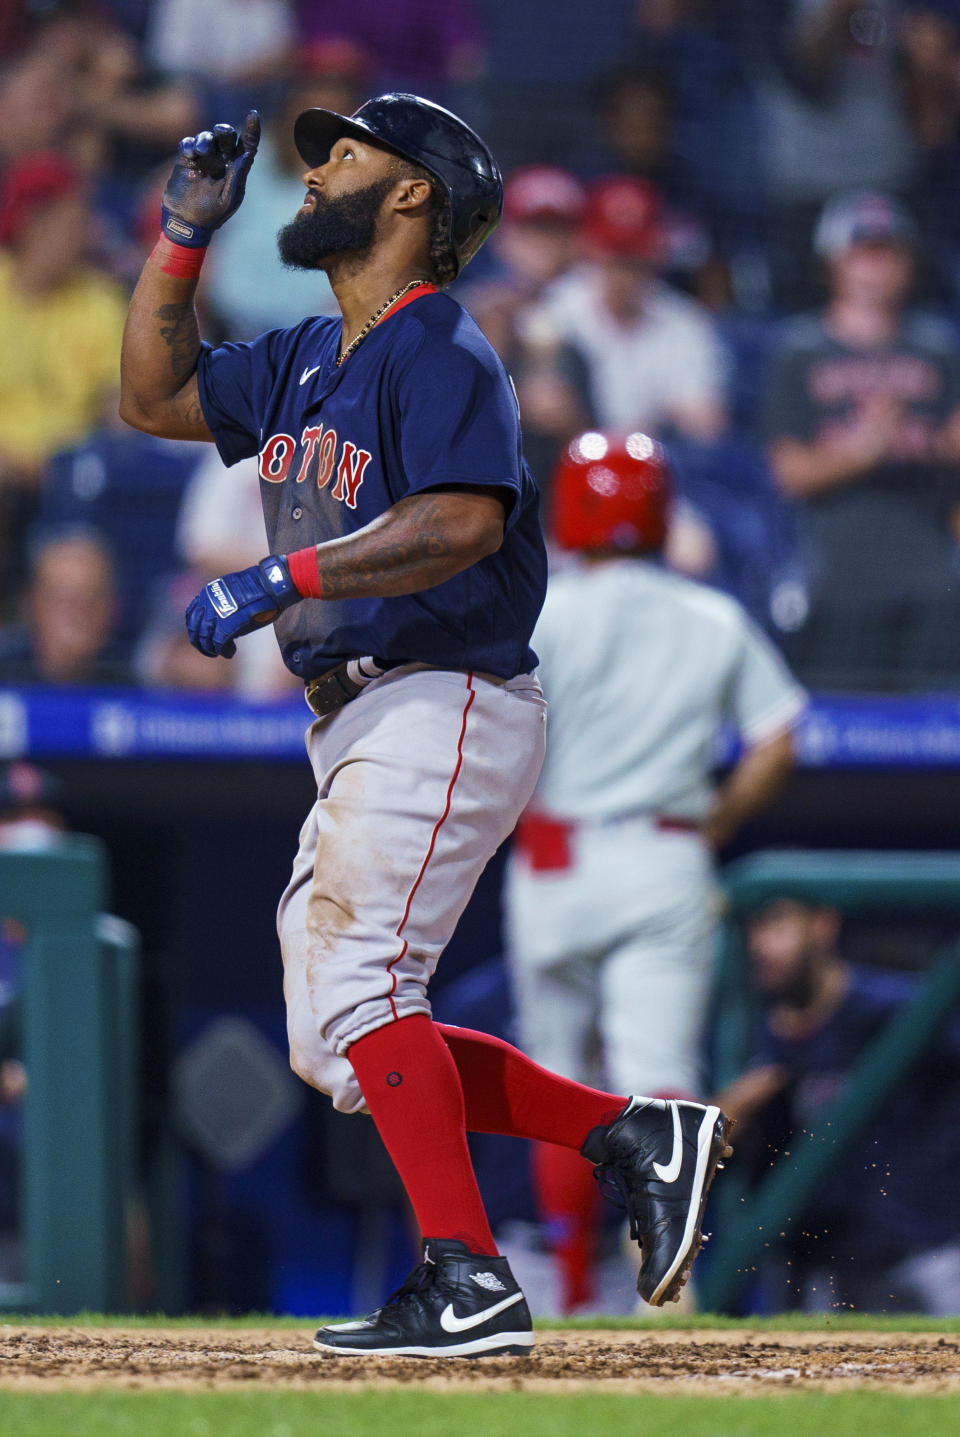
731, 224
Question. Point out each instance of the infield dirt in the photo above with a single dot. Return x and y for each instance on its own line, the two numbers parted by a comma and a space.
74, 1358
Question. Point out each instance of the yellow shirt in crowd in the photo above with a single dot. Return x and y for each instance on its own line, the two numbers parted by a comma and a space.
59, 357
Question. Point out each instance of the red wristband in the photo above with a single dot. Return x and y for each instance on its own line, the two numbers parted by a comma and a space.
305, 573
177, 259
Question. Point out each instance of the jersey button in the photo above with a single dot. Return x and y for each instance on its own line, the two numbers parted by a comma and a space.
298, 512
296, 657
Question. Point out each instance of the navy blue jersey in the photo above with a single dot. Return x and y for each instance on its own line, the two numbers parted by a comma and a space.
422, 403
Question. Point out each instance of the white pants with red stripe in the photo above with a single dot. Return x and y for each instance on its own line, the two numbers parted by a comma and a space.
611, 957
419, 781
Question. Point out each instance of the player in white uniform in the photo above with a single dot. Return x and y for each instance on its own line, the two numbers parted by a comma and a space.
610, 910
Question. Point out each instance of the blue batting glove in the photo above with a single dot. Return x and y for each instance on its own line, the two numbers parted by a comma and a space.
234, 605
208, 181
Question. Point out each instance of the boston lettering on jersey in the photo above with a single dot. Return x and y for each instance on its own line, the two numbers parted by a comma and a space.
319, 448
423, 403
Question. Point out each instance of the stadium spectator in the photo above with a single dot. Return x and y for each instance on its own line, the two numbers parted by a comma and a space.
863, 424
930, 50
653, 357
929, 32
128, 488
637, 117
704, 48
220, 529
63, 321
883, 1232
80, 87
425, 46
833, 118
69, 613
537, 243
126, 118
538, 240
66, 316
164, 657
36, 101
229, 49
550, 377
245, 284
30, 816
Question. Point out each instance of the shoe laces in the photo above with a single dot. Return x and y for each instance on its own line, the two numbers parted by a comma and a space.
615, 1188
420, 1278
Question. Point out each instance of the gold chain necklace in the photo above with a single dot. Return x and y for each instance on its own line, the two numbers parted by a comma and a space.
375, 318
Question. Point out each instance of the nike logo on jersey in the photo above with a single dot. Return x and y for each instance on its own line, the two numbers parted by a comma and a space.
671, 1171
307, 373
450, 1322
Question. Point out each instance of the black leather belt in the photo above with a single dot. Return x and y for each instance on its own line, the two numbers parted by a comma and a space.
338, 686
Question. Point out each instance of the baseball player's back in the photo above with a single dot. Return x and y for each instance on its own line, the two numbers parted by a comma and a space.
609, 894
641, 667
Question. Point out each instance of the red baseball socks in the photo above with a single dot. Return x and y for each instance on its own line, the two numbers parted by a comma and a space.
426, 1084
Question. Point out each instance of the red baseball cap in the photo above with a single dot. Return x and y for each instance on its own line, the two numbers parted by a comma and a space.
28, 185
544, 192
624, 218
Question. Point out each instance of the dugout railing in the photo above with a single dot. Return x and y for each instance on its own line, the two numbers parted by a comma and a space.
76, 1030
752, 1223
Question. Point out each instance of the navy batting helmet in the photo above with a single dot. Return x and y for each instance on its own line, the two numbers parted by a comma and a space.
430, 136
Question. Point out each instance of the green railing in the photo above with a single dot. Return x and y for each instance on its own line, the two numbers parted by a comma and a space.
78, 1041
749, 1224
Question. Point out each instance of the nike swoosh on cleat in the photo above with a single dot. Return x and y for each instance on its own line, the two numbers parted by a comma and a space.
670, 1172
307, 373
450, 1322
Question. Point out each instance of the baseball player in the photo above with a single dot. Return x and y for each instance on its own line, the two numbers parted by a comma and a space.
405, 575
609, 889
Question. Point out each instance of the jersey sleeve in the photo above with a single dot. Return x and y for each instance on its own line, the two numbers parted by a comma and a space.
764, 698
459, 421
233, 381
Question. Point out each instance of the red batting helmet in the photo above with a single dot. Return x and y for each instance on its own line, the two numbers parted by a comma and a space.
611, 493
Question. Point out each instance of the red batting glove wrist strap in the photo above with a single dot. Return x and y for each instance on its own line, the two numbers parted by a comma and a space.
177, 259
305, 572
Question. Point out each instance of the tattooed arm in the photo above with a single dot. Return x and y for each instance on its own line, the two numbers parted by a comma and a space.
158, 364
418, 543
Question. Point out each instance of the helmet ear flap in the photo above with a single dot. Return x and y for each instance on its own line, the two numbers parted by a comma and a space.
611, 494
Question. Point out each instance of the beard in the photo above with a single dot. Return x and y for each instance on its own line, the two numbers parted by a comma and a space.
796, 989
333, 227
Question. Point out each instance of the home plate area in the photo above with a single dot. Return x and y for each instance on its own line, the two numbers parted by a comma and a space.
51, 1358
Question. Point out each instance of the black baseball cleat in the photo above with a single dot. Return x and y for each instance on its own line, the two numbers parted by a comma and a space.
658, 1159
455, 1303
